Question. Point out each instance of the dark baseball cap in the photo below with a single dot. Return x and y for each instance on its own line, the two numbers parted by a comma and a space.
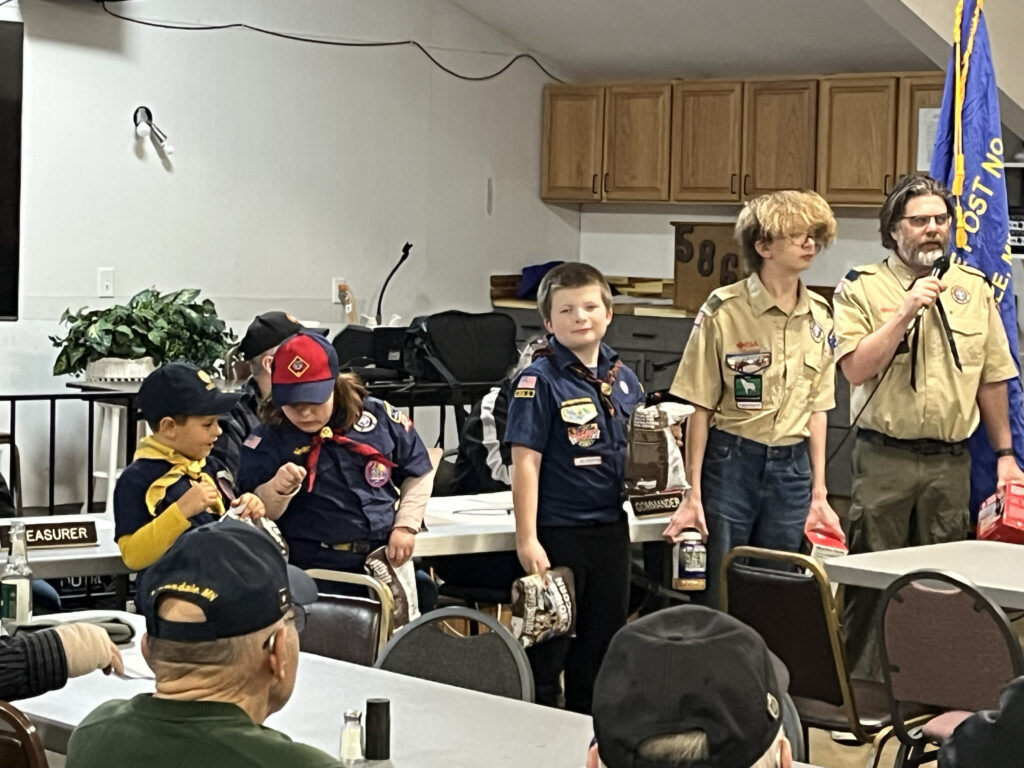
685, 669
304, 370
181, 389
268, 330
989, 738
231, 570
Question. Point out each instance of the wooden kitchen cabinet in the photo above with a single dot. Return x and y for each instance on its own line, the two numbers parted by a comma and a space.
707, 121
606, 142
779, 131
857, 139
573, 145
917, 92
636, 141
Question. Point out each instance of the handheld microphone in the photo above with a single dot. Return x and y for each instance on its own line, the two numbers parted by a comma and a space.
939, 267
405, 255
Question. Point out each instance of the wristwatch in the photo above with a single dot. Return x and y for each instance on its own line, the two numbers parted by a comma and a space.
1006, 452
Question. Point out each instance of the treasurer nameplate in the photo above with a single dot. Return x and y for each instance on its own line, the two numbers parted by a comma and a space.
44, 535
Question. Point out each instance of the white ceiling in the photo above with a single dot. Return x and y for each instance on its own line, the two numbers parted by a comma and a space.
623, 39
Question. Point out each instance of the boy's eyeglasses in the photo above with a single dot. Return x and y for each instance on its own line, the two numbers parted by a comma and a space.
801, 239
920, 222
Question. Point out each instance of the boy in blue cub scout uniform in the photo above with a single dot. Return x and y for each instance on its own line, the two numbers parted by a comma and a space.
567, 427
342, 472
171, 486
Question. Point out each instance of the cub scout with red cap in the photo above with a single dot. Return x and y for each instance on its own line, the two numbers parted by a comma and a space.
342, 472
171, 485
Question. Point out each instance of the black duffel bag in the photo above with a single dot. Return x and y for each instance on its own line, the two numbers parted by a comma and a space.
458, 347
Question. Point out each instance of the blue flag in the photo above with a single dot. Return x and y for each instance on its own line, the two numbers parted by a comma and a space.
968, 157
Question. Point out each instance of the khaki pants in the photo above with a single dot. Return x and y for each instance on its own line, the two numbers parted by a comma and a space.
900, 499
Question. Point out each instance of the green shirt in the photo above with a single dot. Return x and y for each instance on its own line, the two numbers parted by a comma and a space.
160, 733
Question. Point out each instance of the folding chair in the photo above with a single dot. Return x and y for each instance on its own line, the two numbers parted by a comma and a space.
21, 747
349, 627
947, 646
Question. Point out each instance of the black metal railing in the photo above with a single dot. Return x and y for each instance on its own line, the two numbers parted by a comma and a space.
126, 399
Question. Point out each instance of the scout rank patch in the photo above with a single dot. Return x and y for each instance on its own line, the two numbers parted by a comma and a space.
747, 391
584, 435
377, 473
579, 411
367, 421
816, 331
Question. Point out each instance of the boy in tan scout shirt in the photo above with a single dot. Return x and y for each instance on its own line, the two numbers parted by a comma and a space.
928, 360
759, 370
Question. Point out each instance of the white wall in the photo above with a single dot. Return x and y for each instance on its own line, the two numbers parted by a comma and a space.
294, 163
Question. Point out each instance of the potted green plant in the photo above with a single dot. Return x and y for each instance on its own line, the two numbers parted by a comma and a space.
165, 327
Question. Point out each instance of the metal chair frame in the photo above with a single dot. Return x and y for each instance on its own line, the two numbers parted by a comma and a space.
379, 590
24, 732
469, 614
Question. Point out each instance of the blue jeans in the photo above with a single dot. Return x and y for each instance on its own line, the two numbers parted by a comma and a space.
753, 494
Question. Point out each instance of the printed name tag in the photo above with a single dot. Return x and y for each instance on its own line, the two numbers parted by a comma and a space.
42, 535
586, 461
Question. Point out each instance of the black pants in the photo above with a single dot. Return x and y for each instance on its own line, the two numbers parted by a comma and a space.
599, 559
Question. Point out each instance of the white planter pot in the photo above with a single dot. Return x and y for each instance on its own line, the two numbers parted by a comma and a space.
117, 369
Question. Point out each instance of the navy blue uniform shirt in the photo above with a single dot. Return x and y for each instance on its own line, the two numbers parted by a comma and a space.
342, 506
130, 511
556, 412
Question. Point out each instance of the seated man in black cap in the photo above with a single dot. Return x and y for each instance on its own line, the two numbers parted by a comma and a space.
689, 687
223, 615
991, 738
262, 338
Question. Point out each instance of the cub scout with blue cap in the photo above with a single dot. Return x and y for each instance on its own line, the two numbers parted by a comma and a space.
567, 427
171, 486
759, 370
342, 473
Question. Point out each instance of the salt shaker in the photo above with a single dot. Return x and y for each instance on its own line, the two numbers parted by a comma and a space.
351, 752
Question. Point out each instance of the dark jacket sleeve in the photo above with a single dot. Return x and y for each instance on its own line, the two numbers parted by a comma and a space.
31, 663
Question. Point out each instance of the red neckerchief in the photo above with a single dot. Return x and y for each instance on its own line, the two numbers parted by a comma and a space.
326, 435
603, 386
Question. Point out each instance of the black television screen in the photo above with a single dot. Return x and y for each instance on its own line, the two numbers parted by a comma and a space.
11, 35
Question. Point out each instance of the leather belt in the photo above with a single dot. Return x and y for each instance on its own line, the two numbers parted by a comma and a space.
922, 446
356, 547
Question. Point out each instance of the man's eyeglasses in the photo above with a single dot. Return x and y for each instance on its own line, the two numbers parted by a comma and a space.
920, 222
298, 618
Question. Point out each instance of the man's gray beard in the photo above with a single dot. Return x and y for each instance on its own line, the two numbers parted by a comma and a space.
926, 258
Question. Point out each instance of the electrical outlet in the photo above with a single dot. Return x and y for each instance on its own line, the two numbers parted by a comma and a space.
105, 282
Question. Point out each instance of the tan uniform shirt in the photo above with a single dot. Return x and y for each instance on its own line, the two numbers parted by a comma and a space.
944, 405
762, 372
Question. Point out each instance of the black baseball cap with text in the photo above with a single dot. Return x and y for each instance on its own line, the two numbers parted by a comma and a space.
182, 389
233, 572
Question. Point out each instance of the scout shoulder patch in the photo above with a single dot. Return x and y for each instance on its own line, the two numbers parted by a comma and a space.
579, 413
397, 416
367, 421
524, 393
527, 382
252, 441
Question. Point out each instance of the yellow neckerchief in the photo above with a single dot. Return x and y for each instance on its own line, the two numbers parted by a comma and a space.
149, 448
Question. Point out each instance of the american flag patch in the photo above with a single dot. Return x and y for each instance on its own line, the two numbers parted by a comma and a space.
252, 441
527, 382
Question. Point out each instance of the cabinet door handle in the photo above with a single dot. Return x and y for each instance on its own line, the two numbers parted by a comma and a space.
732, 184
637, 335
593, 185
885, 185
746, 178
606, 181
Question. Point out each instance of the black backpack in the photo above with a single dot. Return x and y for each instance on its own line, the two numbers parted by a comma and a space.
459, 347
